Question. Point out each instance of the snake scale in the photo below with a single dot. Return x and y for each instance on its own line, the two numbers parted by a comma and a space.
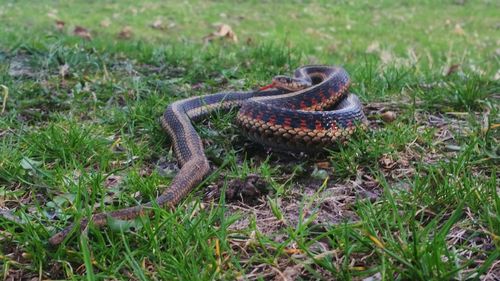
307, 112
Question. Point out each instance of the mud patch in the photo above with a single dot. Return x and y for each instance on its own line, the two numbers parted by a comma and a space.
249, 191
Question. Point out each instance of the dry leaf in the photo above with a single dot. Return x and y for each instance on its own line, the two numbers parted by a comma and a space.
386, 56
227, 31
458, 30
387, 162
82, 32
113, 181
52, 14
125, 33
105, 23
373, 48
64, 70
290, 273
59, 25
497, 75
223, 31
388, 116
158, 24
452, 69
323, 164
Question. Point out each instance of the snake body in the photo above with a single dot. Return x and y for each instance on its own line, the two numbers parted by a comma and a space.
279, 118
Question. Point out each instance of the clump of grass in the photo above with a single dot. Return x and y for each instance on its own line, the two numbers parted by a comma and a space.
459, 92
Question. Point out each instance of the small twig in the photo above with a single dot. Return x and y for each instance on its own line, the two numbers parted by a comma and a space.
5, 91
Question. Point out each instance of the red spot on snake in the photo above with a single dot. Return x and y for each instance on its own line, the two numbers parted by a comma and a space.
303, 124
248, 113
321, 94
303, 105
318, 125
272, 120
287, 122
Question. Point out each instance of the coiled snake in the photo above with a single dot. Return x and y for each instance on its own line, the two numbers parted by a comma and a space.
286, 115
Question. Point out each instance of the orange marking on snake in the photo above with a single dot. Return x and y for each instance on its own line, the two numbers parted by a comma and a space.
272, 120
318, 125
322, 95
303, 124
287, 122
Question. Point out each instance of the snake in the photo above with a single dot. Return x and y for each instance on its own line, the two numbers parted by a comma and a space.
308, 112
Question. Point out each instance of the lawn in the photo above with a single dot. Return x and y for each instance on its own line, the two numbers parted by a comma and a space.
415, 197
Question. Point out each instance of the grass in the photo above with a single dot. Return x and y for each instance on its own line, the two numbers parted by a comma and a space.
413, 199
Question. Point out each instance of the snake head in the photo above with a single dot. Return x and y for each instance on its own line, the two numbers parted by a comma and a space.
290, 83
287, 83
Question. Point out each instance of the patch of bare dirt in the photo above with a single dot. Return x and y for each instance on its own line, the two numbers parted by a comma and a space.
20, 67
